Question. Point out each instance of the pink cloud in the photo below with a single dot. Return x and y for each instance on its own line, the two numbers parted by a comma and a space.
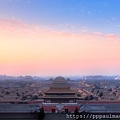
98, 33
35, 48
113, 36
19, 27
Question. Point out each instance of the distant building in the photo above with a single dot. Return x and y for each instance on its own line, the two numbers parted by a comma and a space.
60, 92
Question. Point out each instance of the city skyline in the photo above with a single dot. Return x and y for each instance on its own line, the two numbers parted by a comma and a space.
59, 37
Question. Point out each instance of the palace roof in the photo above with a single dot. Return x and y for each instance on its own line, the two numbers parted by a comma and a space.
60, 85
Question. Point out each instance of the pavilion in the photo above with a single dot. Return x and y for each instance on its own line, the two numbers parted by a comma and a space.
60, 92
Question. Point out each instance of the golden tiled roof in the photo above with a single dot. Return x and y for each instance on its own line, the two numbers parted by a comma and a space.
60, 90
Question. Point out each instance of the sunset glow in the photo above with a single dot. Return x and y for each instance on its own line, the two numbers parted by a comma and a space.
30, 48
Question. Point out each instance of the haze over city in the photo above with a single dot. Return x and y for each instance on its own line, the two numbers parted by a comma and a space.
59, 37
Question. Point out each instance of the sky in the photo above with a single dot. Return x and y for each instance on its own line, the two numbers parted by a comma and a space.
59, 37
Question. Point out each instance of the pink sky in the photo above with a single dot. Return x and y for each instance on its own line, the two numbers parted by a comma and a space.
33, 50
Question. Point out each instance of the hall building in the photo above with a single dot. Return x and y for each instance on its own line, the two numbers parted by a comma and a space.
60, 92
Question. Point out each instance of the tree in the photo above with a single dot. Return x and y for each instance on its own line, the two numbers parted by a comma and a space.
100, 94
97, 86
86, 98
7, 92
35, 97
17, 94
76, 113
92, 90
79, 95
110, 89
97, 91
41, 114
24, 97
114, 93
91, 97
